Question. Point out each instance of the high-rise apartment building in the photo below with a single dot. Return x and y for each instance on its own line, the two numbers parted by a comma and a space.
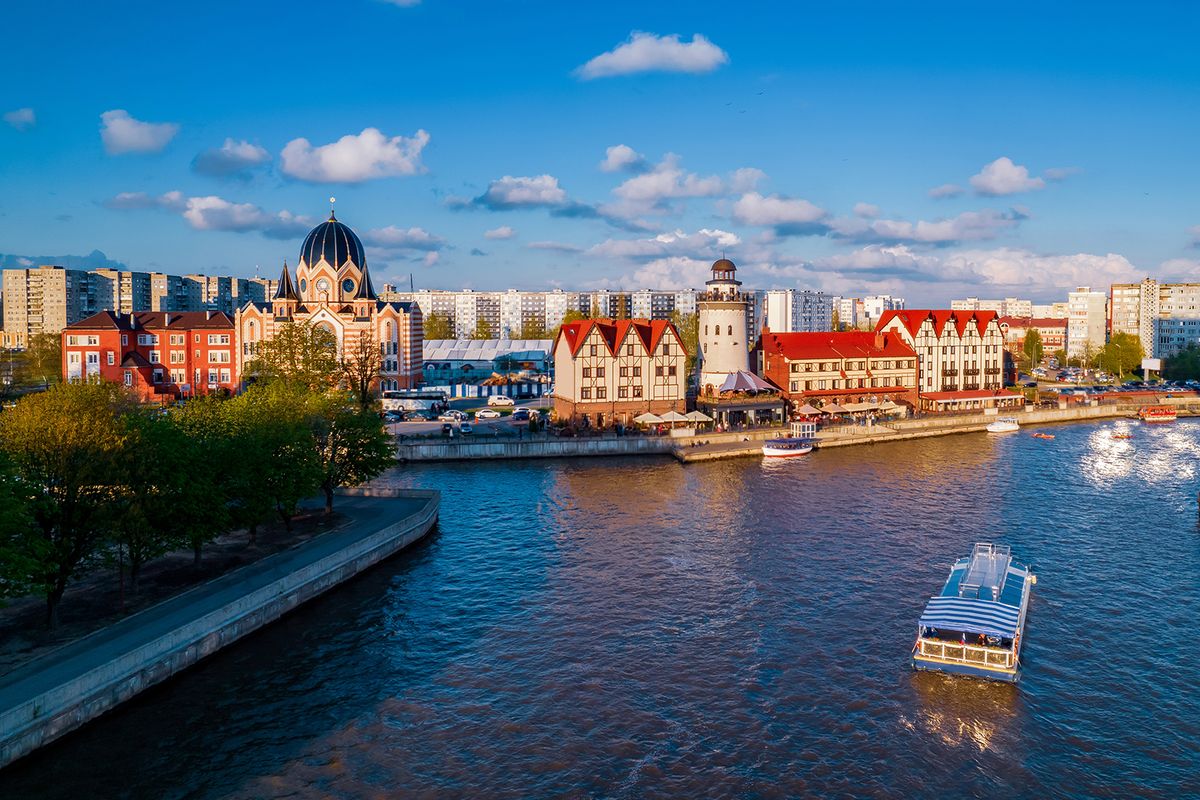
39, 300
798, 311
1087, 322
1008, 307
1164, 316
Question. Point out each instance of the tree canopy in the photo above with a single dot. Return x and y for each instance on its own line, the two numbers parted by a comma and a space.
1032, 346
299, 354
1121, 355
1184, 365
438, 326
483, 329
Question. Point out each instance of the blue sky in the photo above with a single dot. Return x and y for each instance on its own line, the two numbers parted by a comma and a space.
803, 139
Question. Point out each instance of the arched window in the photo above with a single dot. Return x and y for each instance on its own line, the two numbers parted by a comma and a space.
731, 330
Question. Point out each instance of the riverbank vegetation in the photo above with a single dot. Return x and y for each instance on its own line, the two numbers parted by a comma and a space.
88, 477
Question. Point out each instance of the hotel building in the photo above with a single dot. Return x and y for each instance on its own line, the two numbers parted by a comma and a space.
610, 371
846, 366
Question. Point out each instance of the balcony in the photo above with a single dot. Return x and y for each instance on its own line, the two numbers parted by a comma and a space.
971, 371
949, 372
970, 386
992, 371
949, 387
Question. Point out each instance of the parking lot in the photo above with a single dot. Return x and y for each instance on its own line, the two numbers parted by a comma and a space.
503, 426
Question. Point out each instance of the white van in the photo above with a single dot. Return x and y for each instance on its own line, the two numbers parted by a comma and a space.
500, 400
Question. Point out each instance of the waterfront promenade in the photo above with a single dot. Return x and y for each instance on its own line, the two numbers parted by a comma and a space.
66, 688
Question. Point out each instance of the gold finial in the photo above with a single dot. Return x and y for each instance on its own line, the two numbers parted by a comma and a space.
332, 200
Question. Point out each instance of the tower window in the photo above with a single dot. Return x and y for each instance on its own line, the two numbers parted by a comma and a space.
731, 330
348, 285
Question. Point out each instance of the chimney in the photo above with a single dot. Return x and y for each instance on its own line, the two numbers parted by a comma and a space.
166, 318
207, 315
879, 340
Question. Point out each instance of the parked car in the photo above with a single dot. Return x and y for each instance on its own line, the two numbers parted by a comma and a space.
466, 428
521, 415
487, 413
1030, 384
500, 400
447, 429
393, 416
453, 415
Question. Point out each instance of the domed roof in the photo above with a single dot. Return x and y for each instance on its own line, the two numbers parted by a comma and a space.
334, 242
723, 265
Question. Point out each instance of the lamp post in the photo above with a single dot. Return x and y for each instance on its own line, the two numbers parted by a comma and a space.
1119, 369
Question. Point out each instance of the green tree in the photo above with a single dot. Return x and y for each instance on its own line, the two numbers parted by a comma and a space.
437, 326
20, 540
361, 363
595, 312
483, 330
65, 445
532, 328
572, 315
349, 444
1184, 365
299, 354
43, 359
837, 321
1123, 354
1061, 357
225, 471
1032, 346
688, 326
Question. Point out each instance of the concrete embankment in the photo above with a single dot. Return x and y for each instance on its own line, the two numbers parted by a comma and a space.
905, 429
482, 448
57, 693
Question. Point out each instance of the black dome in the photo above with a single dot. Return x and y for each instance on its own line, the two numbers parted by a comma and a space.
334, 242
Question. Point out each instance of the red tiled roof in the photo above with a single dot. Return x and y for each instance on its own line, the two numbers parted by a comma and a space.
912, 319
828, 344
155, 320
614, 332
1033, 322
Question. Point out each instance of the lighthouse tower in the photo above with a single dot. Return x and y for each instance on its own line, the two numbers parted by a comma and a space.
723, 309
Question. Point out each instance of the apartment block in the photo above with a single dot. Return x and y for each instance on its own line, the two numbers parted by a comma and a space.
42, 299
1164, 316
798, 311
1087, 322
1008, 307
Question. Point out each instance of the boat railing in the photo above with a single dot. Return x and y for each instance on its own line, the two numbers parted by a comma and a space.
958, 653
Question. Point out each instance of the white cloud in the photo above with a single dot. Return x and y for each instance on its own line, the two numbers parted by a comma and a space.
431, 258
745, 179
777, 211
212, 213
866, 210
230, 159
622, 157
394, 238
353, 159
666, 181
1061, 173
967, 226
1003, 177
945, 190
503, 232
522, 192
672, 272
646, 52
560, 247
21, 118
704, 243
122, 133
128, 201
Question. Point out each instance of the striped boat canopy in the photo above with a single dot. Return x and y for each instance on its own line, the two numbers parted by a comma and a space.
971, 616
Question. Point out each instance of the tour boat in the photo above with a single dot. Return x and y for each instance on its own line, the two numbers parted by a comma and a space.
974, 627
1004, 425
1043, 436
786, 448
1157, 413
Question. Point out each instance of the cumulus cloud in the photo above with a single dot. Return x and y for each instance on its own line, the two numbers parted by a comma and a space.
232, 159
945, 190
512, 192
393, 238
866, 210
967, 226
652, 190
503, 232
130, 201
122, 133
559, 247
1002, 177
704, 243
212, 213
431, 258
1061, 173
21, 118
788, 216
646, 52
621, 157
353, 159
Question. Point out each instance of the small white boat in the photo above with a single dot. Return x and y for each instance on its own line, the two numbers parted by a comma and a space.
786, 448
1004, 425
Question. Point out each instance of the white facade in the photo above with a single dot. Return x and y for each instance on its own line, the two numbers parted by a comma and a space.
875, 305
1008, 307
956, 350
798, 311
1164, 316
1087, 322
724, 348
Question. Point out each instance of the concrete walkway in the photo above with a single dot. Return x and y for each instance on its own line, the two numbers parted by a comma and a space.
78, 678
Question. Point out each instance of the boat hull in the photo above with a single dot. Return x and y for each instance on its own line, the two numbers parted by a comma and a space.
778, 452
1000, 675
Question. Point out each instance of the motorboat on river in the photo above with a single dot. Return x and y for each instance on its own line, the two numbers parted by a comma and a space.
1157, 413
799, 442
1004, 425
974, 627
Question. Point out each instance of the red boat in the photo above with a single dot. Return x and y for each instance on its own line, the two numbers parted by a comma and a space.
1157, 413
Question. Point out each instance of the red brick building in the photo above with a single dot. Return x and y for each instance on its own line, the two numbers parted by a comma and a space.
842, 367
160, 356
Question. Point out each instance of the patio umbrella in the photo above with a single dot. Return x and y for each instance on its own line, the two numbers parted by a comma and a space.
808, 410
647, 419
834, 408
698, 416
674, 416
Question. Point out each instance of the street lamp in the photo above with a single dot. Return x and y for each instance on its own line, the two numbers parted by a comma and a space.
1118, 370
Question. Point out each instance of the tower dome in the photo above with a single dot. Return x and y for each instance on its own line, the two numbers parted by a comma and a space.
334, 242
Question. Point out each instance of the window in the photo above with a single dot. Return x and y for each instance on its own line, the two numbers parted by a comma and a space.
147, 339
218, 338
592, 350
628, 349
197, 356
197, 340
637, 372
112, 358
178, 338
585, 393
716, 330
155, 356
72, 341
157, 376
624, 372
731, 330
218, 356
672, 370
212, 376
178, 356
224, 376
601, 392
129, 377
795, 386
93, 358
599, 372
821, 384
124, 339
658, 371
587, 372
622, 391
637, 391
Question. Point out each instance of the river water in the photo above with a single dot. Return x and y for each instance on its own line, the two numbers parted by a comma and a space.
637, 628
